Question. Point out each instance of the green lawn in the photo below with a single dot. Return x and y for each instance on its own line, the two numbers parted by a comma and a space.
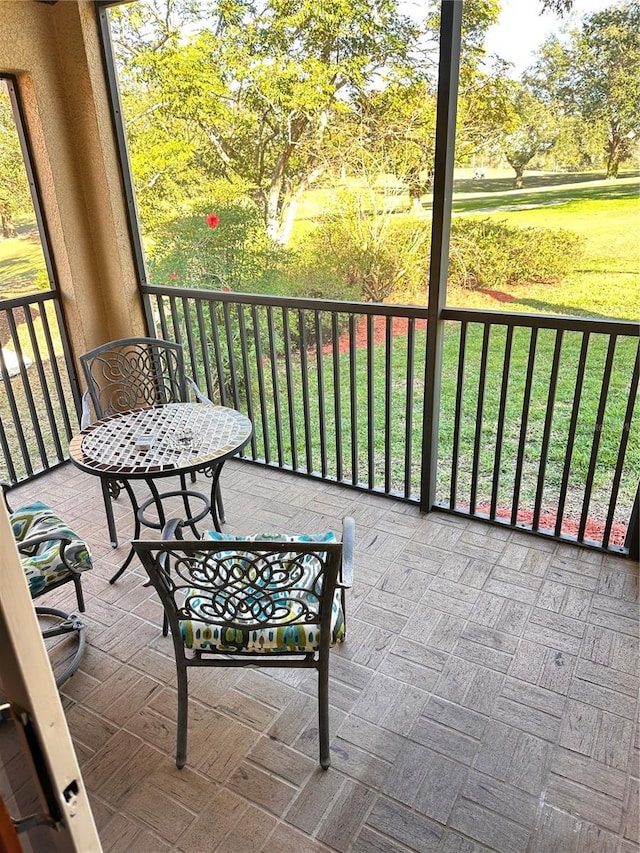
607, 280
605, 284
21, 264
318, 418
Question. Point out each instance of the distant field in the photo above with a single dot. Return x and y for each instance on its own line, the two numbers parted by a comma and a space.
607, 280
605, 213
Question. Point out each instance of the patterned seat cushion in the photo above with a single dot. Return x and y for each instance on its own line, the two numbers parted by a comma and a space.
43, 566
293, 637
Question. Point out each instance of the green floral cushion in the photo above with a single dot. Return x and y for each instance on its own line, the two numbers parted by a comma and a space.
43, 565
294, 637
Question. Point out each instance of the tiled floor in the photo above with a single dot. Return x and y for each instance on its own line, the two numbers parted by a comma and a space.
486, 698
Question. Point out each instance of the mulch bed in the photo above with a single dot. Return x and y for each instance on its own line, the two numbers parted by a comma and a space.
594, 528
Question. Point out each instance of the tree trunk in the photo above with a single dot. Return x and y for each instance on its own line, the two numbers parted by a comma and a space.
614, 151
518, 183
273, 209
287, 218
8, 229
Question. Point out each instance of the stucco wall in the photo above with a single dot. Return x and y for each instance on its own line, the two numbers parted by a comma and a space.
54, 51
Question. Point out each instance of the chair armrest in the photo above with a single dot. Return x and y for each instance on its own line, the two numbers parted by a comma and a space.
31, 541
200, 397
85, 418
25, 545
348, 550
172, 530
5, 494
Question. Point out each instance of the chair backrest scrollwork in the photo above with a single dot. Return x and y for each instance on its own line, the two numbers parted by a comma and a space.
134, 373
243, 585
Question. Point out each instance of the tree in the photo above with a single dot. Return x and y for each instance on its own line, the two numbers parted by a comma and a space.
534, 131
257, 90
596, 76
558, 7
15, 197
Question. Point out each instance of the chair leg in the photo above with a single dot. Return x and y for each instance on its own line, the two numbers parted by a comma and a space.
79, 594
111, 524
323, 710
183, 712
219, 504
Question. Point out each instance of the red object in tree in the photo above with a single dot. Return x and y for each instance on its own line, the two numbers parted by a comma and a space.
212, 220
173, 275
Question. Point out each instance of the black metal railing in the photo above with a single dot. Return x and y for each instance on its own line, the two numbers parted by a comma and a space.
538, 424
541, 429
333, 388
538, 419
39, 399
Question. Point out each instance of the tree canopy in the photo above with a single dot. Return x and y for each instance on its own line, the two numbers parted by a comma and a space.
15, 197
595, 75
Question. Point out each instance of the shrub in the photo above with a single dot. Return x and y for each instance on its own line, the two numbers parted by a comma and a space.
362, 256
490, 253
219, 245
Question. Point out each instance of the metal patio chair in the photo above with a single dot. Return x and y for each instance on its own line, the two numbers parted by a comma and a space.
264, 600
135, 373
52, 554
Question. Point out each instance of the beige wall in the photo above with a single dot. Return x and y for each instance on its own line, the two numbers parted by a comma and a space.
54, 51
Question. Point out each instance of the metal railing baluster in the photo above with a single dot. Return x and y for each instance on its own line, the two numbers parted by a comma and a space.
524, 423
353, 396
502, 410
597, 434
388, 401
266, 438
455, 449
304, 377
321, 403
275, 384
246, 371
286, 325
546, 435
577, 394
408, 428
337, 393
217, 352
622, 449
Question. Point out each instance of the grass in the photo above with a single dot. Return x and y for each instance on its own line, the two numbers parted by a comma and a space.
316, 421
21, 264
604, 285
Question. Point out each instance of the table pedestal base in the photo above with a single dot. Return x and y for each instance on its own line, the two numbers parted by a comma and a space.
156, 499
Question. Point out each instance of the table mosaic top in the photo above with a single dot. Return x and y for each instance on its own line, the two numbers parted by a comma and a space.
167, 439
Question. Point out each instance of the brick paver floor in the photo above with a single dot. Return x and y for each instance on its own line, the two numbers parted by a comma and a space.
486, 697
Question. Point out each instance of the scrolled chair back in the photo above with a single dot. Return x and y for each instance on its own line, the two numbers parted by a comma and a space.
134, 373
250, 595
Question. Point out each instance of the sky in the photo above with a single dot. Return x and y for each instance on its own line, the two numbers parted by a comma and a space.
521, 28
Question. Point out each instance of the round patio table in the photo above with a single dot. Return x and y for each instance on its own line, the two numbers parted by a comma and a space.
163, 441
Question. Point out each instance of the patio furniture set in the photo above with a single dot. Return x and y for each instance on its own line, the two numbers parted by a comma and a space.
266, 600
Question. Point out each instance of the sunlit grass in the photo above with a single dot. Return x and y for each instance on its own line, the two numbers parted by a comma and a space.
606, 282
21, 262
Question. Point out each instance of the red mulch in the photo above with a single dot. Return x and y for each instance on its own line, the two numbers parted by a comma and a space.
400, 326
594, 527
